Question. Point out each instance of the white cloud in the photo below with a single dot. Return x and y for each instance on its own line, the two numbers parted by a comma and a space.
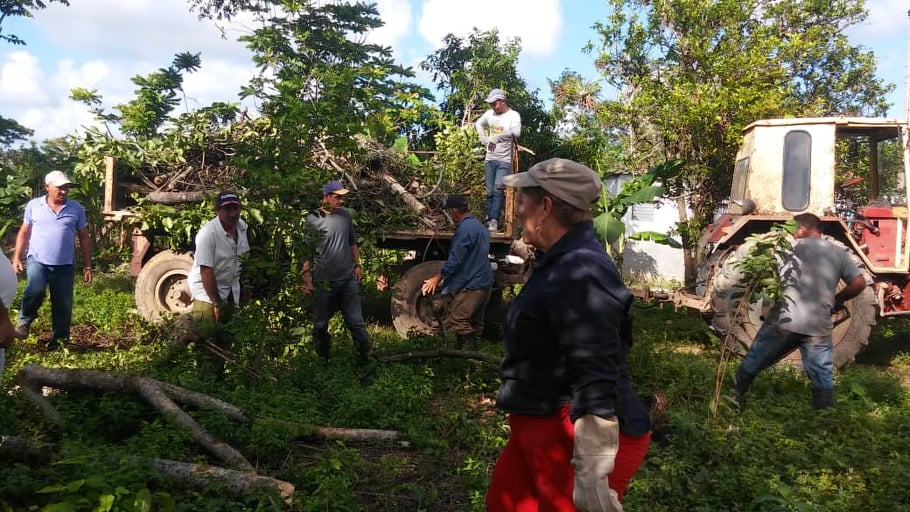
397, 19
21, 80
887, 19
537, 22
102, 44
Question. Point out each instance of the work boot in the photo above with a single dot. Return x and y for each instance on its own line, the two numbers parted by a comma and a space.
741, 383
822, 398
466, 341
22, 330
322, 350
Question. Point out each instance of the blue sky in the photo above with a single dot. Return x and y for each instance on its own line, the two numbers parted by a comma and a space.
101, 44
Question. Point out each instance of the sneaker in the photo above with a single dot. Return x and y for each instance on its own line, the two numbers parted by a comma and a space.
493, 225
22, 330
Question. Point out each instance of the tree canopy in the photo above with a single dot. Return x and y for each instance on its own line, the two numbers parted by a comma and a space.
465, 69
692, 73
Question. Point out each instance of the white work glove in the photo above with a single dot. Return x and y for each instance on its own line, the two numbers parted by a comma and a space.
596, 445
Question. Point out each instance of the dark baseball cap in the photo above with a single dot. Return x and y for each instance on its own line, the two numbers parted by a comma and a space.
456, 201
225, 198
334, 187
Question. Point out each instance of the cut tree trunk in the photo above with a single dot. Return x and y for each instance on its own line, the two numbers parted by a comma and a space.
431, 354
33, 377
197, 476
163, 197
237, 483
409, 199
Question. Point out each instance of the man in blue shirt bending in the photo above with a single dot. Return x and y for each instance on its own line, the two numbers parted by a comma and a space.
466, 274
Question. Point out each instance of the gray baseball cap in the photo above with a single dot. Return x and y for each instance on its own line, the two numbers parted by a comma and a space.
495, 94
575, 183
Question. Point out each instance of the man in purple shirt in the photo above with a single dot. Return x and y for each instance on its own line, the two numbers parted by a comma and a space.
48, 233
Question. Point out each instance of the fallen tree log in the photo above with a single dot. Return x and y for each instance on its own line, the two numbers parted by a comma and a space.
197, 476
32, 377
409, 199
25, 450
357, 434
340, 434
164, 197
431, 354
237, 483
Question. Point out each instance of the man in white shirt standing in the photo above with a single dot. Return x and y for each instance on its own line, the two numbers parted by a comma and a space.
499, 129
214, 279
8, 287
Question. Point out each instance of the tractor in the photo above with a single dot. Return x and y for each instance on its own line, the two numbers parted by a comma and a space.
852, 173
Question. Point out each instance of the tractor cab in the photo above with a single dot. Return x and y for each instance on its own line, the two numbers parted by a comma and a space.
851, 172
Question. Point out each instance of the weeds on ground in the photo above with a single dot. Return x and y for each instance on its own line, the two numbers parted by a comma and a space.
778, 454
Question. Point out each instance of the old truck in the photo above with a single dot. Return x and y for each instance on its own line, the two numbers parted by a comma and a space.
850, 171
161, 273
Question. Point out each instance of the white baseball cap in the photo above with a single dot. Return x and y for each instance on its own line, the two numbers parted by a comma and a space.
57, 179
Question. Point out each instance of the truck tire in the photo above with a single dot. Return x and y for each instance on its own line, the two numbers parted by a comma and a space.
850, 336
162, 286
410, 312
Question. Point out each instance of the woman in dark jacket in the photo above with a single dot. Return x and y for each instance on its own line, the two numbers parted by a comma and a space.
578, 429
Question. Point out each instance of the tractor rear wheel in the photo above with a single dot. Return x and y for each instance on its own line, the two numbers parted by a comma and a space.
411, 312
850, 336
162, 286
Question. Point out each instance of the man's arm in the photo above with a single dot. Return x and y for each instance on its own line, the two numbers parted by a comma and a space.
210, 284
85, 242
461, 247
307, 277
480, 126
355, 257
853, 288
7, 331
22, 238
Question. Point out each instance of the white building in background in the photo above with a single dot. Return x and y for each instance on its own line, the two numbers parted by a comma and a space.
646, 261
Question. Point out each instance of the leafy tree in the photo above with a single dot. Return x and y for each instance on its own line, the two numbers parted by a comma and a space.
156, 97
692, 73
21, 9
575, 104
320, 84
11, 131
465, 69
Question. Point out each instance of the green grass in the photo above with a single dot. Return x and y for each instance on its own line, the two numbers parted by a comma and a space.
778, 454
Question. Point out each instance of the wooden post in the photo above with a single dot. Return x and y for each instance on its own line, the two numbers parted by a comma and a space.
508, 218
110, 185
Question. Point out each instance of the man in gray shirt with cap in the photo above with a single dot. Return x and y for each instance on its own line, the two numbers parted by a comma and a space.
333, 279
498, 129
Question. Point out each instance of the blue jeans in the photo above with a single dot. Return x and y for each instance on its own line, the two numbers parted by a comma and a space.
772, 344
330, 297
57, 278
493, 173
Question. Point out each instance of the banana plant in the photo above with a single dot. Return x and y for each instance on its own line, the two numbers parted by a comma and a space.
608, 224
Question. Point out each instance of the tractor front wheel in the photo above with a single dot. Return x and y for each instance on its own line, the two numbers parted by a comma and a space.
162, 285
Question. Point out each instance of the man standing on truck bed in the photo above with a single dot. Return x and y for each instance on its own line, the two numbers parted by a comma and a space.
48, 232
333, 279
803, 318
467, 274
498, 129
214, 279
